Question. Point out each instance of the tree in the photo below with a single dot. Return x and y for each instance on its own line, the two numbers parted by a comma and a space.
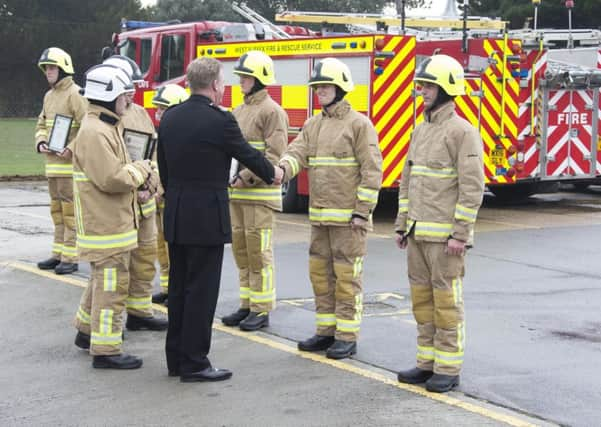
27, 27
193, 10
551, 13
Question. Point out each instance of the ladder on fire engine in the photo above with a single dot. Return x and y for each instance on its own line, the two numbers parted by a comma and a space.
382, 20
257, 18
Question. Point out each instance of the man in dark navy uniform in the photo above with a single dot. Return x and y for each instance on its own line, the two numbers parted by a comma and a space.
197, 140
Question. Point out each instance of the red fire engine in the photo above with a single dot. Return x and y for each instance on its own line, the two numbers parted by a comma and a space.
539, 121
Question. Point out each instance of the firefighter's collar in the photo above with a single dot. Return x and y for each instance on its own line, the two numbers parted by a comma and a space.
104, 114
338, 110
442, 113
63, 83
256, 98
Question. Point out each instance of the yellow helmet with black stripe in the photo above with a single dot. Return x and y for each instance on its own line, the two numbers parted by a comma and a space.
58, 57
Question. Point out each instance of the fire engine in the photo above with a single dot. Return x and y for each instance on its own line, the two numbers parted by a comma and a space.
538, 118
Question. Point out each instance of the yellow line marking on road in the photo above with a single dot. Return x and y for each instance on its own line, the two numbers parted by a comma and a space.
344, 366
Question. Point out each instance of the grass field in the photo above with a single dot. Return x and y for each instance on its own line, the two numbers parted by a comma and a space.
18, 156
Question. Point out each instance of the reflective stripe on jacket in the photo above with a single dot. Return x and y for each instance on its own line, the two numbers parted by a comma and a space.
264, 125
443, 179
64, 99
340, 149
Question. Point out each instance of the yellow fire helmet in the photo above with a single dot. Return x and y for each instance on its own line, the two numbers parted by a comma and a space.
58, 57
256, 64
334, 72
168, 95
444, 71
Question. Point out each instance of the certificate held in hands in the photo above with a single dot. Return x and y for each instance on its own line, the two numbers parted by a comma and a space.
140, 145
60, 133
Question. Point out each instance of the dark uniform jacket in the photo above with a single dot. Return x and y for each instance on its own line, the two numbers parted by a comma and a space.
197, 141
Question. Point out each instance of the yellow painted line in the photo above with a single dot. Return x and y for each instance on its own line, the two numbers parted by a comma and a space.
259, 338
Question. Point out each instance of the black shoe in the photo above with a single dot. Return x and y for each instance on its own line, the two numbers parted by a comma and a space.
118, 361
316, 343
135, 323
414, 376
255, 321
341, 349
207, 374
82, 341
236, 317
159, 298
66, 268
174, 373
48, 264
440, 383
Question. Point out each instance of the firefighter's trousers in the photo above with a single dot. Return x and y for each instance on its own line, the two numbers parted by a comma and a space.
61, 209
436, 281
162, 251
252, 232
335, 266
142, 264
100, 312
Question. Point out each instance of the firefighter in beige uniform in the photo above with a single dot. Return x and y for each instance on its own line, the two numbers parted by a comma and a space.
340, 149
140, 314
63, 98
264, 125
165, 97
439, 196
105, 187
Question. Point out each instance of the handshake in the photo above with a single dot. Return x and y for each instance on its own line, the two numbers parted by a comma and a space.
278, 178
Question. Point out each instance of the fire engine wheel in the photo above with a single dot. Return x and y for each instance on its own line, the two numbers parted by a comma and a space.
291, 200
512, 192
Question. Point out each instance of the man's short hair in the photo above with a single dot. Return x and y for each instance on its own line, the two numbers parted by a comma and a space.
202, 72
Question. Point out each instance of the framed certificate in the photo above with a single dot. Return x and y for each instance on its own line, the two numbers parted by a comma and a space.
60, 133
140, 145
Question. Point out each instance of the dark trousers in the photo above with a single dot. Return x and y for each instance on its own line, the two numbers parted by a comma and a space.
194, 278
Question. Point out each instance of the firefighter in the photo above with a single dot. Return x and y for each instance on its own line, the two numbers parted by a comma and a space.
440, 192
105, 187
264, 125
63, 98
165, 97
340, 149
140, 314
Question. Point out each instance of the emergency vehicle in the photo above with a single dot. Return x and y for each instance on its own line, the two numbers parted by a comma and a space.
539, 120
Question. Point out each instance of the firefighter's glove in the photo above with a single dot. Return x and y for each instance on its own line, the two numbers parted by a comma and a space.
153, 182
145, 169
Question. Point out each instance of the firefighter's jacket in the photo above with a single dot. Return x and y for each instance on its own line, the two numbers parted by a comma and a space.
105, 183
136, 118
443, 179
264, 125
64, 99
340, 150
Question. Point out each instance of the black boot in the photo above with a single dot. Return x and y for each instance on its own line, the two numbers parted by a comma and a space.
414, 376
236, 317
316, 343
255, 321
118, 361
82, 341
159, 298
341, 349
440, 383
66, 268
135, 323
48, 264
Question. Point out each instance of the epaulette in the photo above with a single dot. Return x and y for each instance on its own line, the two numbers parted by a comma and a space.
108, 119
